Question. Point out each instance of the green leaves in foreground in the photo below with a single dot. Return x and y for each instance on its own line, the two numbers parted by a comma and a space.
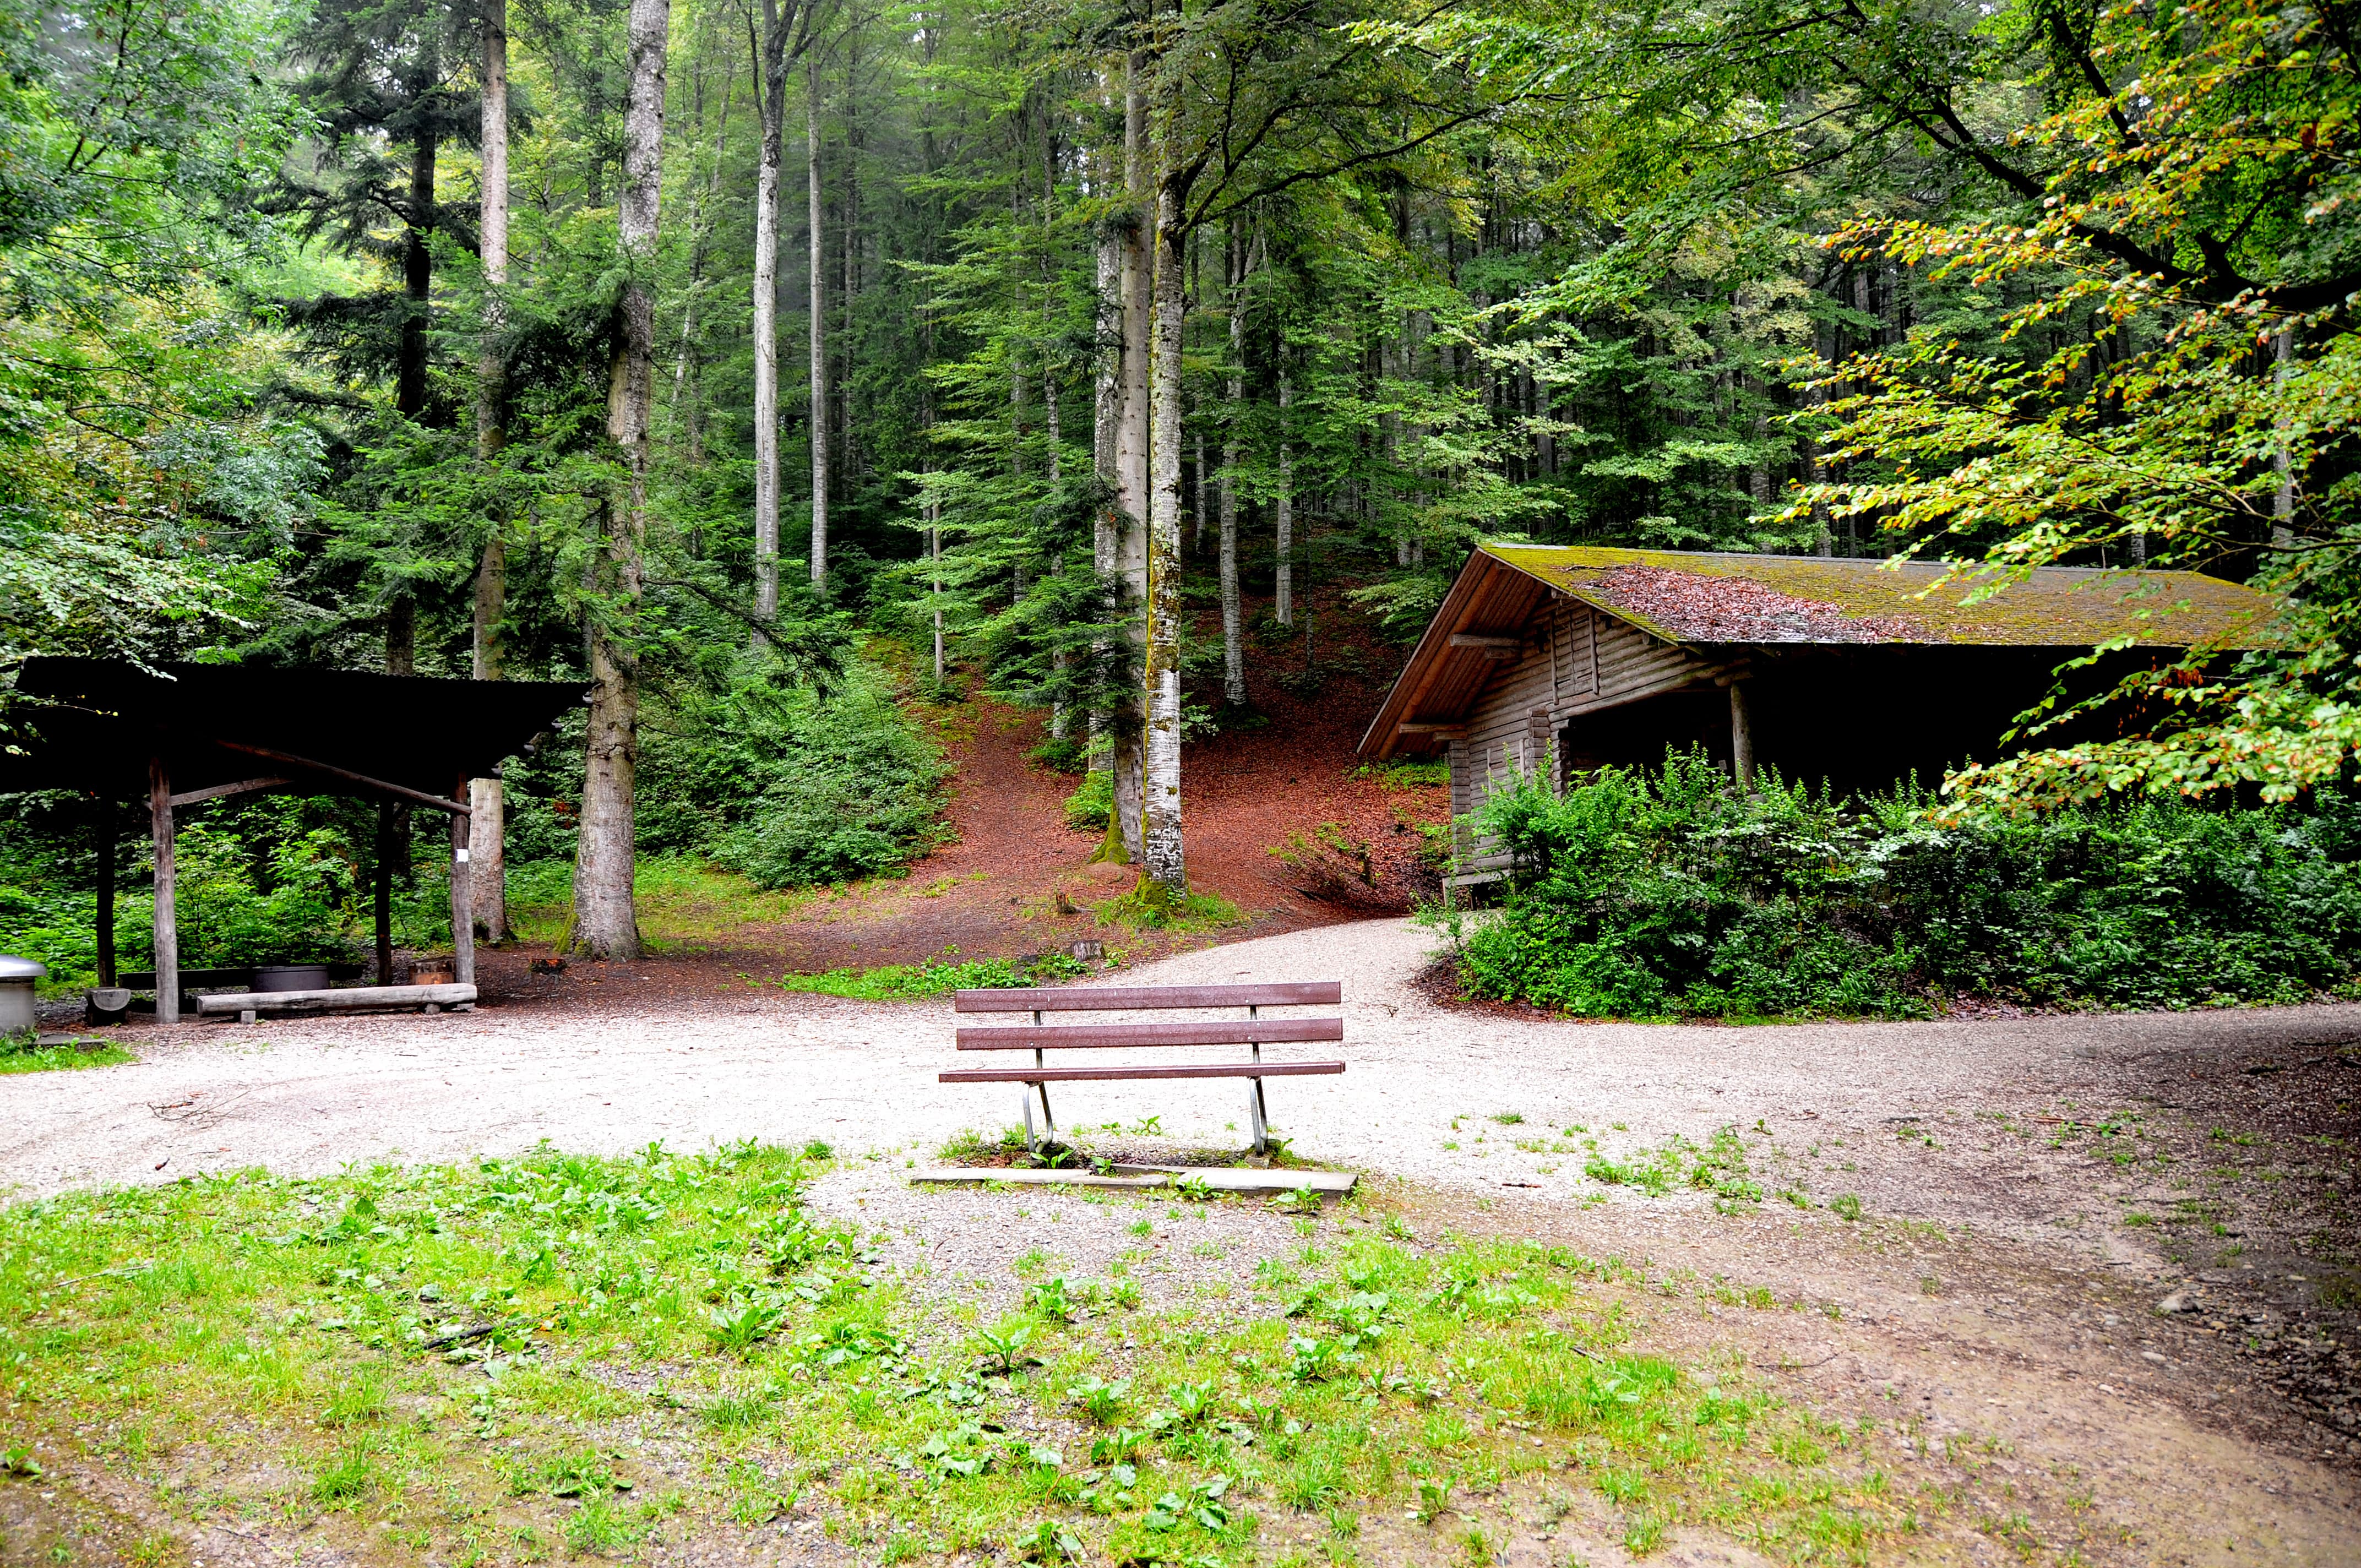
610, 1352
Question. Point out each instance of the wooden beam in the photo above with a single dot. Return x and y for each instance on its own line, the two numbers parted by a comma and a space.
1136, 998
103, 826
166, 926
1117, 1074
399, 791
1092, 1036
463, 907
217, 792
1440, 730
382, 875
1741, 738
348, 999
1491, 647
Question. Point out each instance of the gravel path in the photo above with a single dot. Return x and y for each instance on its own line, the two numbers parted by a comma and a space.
312, 1095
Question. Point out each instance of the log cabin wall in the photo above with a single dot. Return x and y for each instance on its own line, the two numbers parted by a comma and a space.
1574, 661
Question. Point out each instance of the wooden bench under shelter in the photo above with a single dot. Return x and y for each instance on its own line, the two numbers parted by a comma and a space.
1253, 1031
173, 736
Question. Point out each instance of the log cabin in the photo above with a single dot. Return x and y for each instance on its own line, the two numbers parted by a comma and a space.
1848, 672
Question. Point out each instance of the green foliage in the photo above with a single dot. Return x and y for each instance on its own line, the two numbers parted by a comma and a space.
1092, 805
295, 1300
1667, 893
793, 788
20, 1053
272, 881
1147, 904
911, 983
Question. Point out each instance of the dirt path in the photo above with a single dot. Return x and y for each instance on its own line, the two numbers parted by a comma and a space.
2030, 1191
1017, 880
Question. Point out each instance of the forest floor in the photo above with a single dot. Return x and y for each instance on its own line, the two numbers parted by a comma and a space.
2078, 1288
1015, 879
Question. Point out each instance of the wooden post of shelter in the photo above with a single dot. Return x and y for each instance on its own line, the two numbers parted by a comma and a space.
167, 930
463, 909
103, 926
384, 892
1741, 738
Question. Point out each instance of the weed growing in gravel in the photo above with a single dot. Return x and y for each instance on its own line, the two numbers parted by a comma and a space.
29, 1057
610, 1352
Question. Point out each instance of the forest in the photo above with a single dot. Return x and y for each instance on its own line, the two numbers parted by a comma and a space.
763, 366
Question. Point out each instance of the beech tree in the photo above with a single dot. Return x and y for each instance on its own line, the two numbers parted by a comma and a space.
606, 922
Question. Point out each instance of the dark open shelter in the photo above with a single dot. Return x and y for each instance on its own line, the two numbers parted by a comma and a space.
1854, 672
179, 734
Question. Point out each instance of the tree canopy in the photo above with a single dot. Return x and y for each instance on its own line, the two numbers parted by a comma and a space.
1124, 342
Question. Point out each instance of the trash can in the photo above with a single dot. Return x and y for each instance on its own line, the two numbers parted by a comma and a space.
16, 979
291, 977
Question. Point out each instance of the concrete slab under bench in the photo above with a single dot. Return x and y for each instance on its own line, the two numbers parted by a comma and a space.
1218, 1177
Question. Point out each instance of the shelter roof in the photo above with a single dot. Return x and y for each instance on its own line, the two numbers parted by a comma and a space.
1682, 597
93, 724
1725, 601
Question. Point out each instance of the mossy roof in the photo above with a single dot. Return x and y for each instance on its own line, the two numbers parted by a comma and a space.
1693, 598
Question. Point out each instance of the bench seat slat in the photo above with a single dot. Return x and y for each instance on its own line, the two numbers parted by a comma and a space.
1073, 1074
1136, 998
1085, 1037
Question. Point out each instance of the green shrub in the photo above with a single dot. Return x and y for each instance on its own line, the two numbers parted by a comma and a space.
1092, 805
790, 789
1664, 893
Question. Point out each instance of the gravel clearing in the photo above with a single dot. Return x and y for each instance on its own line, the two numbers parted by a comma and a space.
1913, 1104
2032, 1193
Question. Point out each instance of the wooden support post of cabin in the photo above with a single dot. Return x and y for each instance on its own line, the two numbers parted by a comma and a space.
463, 908
103, 927
384, 892
1741, 738
167, 929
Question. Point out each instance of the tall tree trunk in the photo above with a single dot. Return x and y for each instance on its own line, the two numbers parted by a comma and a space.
818, 334
606, 924
1234, 659
409, 399
2283, 494
1106, 422
1162, 854
1199, 513
851, 244
488, 834
1284, 606
1126, 831
417, 280
771, 94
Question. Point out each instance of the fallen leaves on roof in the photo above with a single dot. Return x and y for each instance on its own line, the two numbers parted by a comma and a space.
1695, 607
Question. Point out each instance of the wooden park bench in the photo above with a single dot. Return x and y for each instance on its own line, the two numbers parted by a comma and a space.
1253, 1031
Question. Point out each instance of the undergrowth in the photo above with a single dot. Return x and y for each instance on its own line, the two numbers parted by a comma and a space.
626, 1351
21, 1053
908, 983
1666, 893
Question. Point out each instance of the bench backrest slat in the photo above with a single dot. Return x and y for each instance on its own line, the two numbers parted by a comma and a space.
1083, 1037
1138, 998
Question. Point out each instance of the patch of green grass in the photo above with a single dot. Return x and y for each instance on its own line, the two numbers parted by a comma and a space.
681, 901
309, 1325
61, 1059
1148, 905
1406, 775
910, 983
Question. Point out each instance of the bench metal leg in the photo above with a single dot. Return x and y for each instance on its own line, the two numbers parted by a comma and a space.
1048, 1129
1258, 1115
